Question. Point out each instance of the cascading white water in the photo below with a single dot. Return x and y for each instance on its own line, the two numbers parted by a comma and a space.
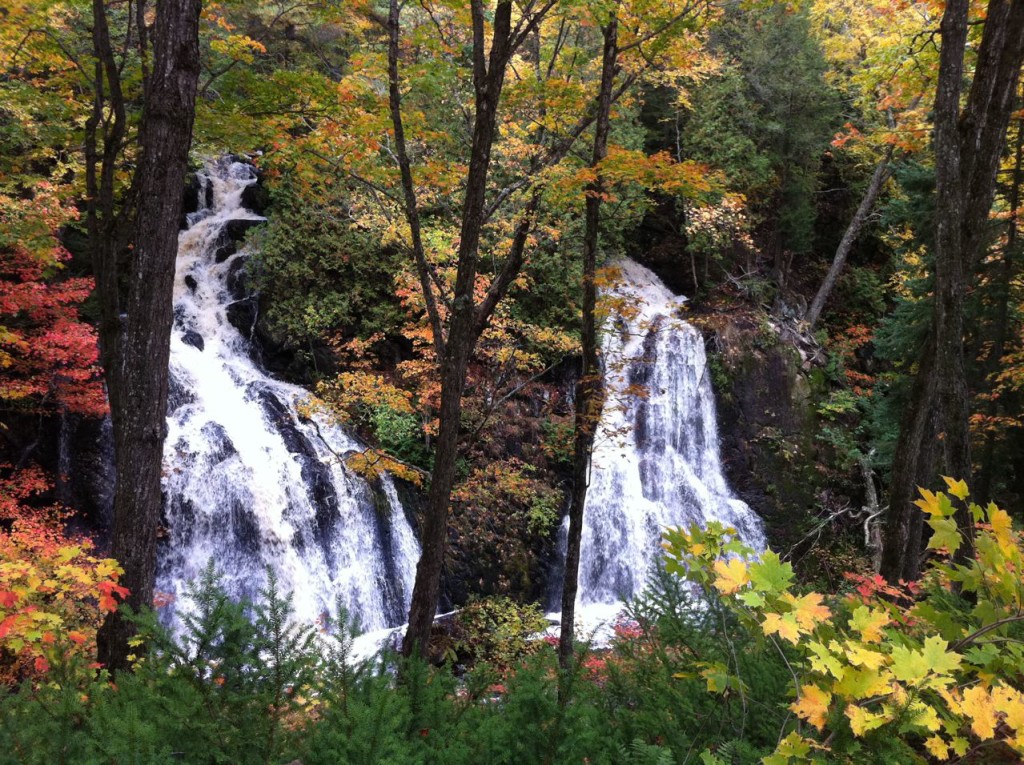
656, 459
249, 483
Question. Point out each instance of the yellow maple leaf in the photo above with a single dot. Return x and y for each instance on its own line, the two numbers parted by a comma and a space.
862, 656
1002, 529
929, 502
979, 707
730, 575
937, 747
861, 720
957, 488
783, 624
808, 610
869, 622
812, 705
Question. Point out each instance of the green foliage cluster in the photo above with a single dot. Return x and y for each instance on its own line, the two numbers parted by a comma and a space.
766, 118
319, 275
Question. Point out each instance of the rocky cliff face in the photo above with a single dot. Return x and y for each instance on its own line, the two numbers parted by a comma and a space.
767, 380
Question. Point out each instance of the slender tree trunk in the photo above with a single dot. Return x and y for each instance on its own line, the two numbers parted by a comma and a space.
488, 79
138, 377
589, 388
967, 144
882, 173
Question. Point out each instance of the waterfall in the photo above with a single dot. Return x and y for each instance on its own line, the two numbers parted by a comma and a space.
656, 460
248, 481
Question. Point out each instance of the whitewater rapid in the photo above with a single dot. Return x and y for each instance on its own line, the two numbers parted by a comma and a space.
249, 481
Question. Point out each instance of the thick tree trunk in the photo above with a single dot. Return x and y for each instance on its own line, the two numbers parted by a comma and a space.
967, 147
138, 378
983, 491
882, 173
589, 389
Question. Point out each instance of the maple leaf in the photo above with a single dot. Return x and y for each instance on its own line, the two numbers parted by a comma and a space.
938, 658
979, 707
957, 488
808, 610
946, 536
908, 665
812, 705
937, 747
730, 576
824, 661
869, 622
862, 656
862, 721
1002, 529
784, 625
793, 746
770, 574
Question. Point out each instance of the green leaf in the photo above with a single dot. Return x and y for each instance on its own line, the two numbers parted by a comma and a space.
770, 574
946, 535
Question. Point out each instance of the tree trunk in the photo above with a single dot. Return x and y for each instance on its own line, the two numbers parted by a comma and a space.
137, 381
983, 491
967, 149
589, 389
882, 173
488, 79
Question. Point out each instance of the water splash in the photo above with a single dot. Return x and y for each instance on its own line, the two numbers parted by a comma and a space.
248, 481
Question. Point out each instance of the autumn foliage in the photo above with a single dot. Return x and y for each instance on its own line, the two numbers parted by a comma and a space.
54, 590
935, 663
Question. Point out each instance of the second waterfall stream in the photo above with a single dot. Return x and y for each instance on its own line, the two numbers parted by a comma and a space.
656, 460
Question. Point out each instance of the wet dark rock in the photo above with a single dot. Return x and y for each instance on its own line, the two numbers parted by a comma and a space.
221, 446
177, 394
768, 424
190, 198
640, 375
242, 316
237, 279
236, 229
256, 198
245, 528
191, 283
225, 251
193, 338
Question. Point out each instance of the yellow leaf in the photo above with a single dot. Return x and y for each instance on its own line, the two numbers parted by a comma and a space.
957, 488
783, 624
980, 709
929, 502
862, 656
812, 705
869, 622
937, 747
808, 610
861, 720
1002, 529
730, 576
